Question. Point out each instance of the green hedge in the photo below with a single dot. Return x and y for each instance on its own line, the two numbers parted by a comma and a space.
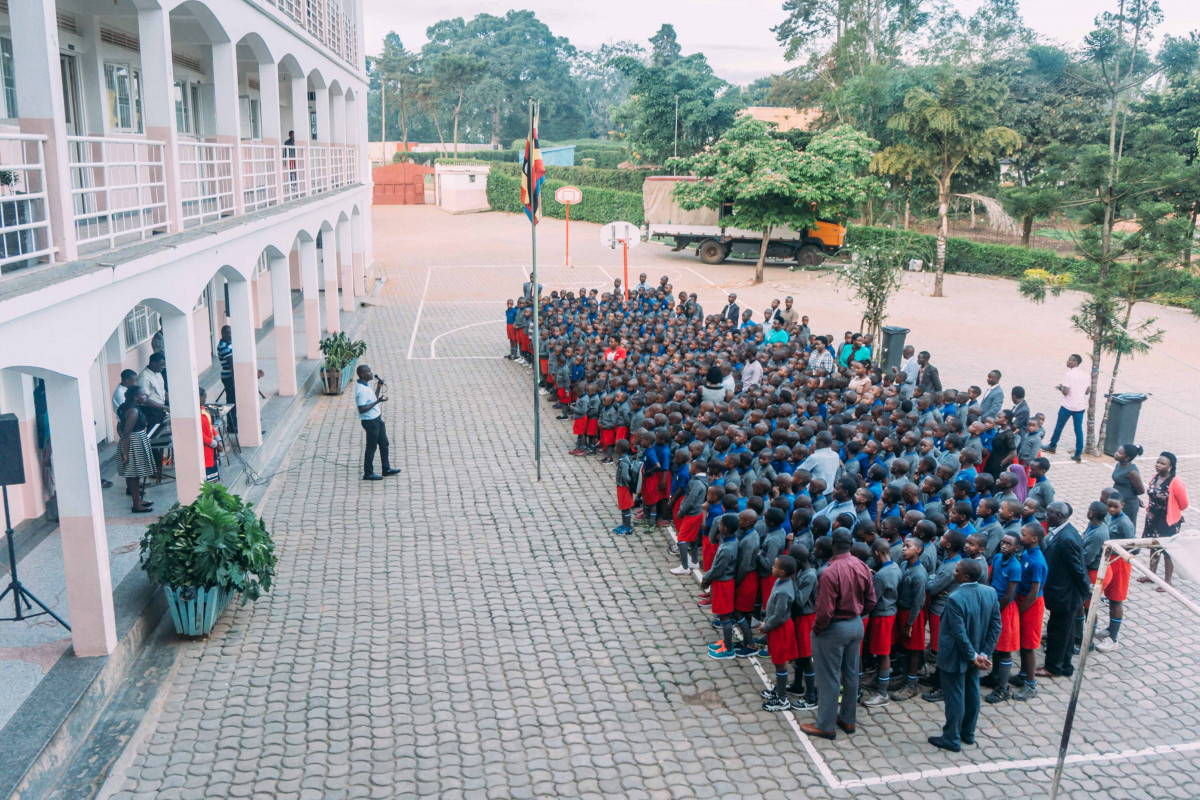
481, 155
623, 180
599, 205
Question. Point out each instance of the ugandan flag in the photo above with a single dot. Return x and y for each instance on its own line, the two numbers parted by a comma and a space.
533, 171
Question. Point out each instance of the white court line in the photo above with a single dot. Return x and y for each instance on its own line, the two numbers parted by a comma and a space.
417, 322
968, 769
699, 275
433, 344
455, 358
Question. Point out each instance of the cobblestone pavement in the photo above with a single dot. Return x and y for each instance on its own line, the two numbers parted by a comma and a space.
463, 631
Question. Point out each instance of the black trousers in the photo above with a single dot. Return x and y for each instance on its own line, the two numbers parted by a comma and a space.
376, 438
1060, 639
231, 399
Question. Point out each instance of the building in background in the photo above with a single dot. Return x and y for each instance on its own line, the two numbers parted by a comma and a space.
786, 119
172, 165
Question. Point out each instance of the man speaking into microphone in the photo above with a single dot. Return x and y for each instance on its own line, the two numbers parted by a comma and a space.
368, 400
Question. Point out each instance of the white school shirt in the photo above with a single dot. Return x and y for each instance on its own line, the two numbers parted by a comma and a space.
364, 395
1077, 381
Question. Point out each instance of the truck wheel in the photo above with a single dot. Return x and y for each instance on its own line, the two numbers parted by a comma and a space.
713, 252
809, 255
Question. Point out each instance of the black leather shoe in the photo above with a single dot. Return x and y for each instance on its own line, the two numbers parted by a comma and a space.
372, 477
391, 471
938, 741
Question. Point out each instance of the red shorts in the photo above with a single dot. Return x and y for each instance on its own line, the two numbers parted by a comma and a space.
879, 635
579, 426
747, 593
511, 332
608, 437
1031, 624
624, 498
804, 626
935, 627
563, 395
916, 641
722, 597
651, 490
782, 645
688, 529
593, 426
1091, 582
767, 584
708, 551
622, 432
544, 364
1116, 580
1010, 629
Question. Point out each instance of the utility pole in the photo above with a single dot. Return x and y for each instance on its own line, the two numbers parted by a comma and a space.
676, 132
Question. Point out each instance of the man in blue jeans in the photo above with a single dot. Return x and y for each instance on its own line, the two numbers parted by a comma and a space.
1075, 386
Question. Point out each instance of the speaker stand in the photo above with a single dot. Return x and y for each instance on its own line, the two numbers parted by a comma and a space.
20, 594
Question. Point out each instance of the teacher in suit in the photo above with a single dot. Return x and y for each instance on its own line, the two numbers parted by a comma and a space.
1066, 587
993, 399
969, 631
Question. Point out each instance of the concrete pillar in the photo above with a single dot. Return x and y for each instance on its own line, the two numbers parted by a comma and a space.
321, 106
312, 302
16, 397
337, 118
285, 337
329, 270
81, 516
345, 261
300, 127
227, 108
40, 104
179, 338
245, 363
361, 287
158, 104
272, 136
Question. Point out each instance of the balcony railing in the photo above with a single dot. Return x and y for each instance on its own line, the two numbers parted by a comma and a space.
318, 168
24, 222
205, 181
337, 166
118, 189
260, 176
326, 22
295, 173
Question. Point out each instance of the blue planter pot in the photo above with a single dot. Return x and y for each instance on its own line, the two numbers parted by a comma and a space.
194, 612
336, 383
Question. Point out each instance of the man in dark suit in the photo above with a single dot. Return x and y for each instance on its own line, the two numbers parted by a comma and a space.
969, 631
1065, 589
731, 311
928, 379
993, 398
1020, 409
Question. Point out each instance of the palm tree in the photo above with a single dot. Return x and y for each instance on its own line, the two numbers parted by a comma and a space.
943, 130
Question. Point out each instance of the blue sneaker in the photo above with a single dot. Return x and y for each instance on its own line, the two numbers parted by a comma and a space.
763, 652
622, 530
721, 654
716, 623
746, 652
716, 646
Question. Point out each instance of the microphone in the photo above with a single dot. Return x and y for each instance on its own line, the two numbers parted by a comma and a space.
380, 379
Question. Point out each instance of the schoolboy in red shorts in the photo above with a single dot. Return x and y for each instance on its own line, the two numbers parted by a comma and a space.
746, 599
626, 480
720, 579
780, 631
1116, 578
1031, 606
1006, 577
689, 516
510, 316
882, 623
910, 616
804, 613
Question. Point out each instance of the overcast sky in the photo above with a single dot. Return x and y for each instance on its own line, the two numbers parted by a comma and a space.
735, 36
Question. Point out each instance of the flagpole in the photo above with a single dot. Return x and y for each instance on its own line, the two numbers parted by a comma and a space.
537, 337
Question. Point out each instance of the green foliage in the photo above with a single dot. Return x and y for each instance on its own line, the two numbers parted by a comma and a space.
217, 541
475, 155
599, 205
875, 271
340, 351
624, 180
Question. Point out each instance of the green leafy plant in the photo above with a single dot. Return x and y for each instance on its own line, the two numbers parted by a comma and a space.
339, 351
216, 541
599, 205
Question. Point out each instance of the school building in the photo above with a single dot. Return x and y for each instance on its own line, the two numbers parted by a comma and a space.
147, 181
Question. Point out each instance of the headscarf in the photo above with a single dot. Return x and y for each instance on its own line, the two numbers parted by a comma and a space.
1021, 490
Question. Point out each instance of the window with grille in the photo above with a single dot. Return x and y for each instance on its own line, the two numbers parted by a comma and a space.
8, 78
140, 324
123, 84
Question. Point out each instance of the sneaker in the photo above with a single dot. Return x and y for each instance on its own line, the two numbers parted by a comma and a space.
796, 689
804, 704
1025, 692
1107, 645
704, 601
876, 699
664, 523
639, 514
926, 680
998, 696
716, 623
623, 530
746, 652
606, 460
576, 452
767, 694
763, 653
1016, 680
721, 655
681, 570
988, 681
776, 704
1100, 635
563, 416
673, 549
717, 645
933, 696
905, 691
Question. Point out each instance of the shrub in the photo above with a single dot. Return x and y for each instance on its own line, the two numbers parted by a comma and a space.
599, 205
481, 155
623, 180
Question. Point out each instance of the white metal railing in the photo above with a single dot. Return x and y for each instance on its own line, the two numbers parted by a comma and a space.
337, 166
327, 22
293, 9
318, 168
351, 164
314, 10
295, 173
24, 221
260, 186
205, 181
118, 189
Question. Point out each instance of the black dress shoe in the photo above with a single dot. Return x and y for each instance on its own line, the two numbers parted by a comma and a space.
373, 477
968, 740
938, 741
391, 471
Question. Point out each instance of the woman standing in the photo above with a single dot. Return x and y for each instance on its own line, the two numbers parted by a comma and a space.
136, 456
713, 389
1004, 445
1164, 514
1128, 481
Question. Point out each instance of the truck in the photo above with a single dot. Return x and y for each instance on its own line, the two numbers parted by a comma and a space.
713, 233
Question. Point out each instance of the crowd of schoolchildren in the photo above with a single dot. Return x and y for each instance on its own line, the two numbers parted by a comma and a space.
755, 440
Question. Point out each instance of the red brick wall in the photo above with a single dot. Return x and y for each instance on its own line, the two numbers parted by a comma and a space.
400, 184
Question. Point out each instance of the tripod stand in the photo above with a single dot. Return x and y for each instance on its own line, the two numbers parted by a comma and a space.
19, 592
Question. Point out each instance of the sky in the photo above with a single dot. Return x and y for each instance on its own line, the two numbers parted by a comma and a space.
735, 36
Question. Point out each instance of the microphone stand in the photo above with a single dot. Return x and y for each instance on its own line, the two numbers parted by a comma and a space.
19, 592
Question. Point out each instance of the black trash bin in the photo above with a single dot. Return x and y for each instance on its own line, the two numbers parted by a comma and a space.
892, 349
1122, 420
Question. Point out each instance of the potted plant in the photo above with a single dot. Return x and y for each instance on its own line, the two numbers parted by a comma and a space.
341, 359
205, 552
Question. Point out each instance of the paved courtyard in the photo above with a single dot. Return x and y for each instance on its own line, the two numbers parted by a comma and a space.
464, 631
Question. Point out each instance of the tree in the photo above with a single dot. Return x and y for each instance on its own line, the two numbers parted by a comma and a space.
453, 76
603, 86
873, 275
942, 130
664, 47
994, 31
395, 66
1177, 110
767, 183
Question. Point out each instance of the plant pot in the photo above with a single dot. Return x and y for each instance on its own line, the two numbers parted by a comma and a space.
335, 381
195, 611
